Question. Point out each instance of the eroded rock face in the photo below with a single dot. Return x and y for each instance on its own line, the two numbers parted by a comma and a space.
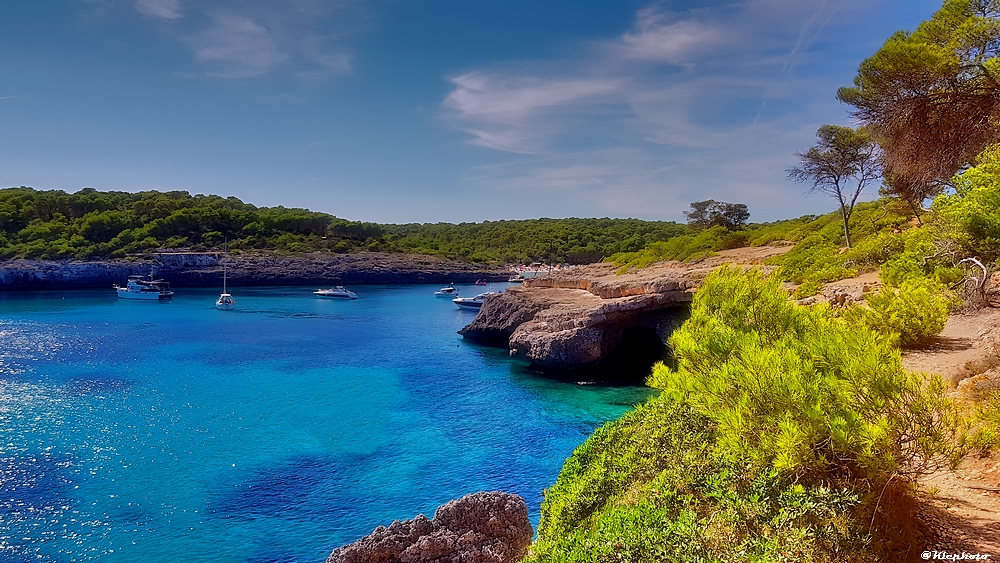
578, 318
487, 527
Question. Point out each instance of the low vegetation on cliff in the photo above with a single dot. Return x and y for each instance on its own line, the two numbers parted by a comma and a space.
775, 439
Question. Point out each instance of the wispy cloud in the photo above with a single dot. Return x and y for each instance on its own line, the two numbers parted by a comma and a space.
248, 38
241, 47
163, 9
683, 105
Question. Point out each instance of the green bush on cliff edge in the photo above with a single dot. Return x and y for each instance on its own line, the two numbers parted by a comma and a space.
772, 441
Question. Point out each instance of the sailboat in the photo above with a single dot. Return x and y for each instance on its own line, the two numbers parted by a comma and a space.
226, 302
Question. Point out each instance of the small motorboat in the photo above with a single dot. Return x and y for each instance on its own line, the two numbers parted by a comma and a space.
472, 302
339, 292
481, 282
139, 288
449, 291
516, 278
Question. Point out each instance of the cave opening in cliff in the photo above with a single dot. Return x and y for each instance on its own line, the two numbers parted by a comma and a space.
633, 359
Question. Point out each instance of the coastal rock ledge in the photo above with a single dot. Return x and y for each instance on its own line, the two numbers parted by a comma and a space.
486, 527
592, 319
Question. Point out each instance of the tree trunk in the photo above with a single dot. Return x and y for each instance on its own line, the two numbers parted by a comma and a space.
847, 230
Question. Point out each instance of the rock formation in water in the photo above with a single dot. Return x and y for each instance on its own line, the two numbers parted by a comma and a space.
487, 527
244, 269
592, 318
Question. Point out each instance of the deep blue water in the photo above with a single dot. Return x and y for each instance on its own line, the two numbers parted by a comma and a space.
272, 433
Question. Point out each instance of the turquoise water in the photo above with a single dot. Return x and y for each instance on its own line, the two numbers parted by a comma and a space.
272, 433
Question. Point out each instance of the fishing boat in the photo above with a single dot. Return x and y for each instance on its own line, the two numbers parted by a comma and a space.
147, 290
336, 292
226, 301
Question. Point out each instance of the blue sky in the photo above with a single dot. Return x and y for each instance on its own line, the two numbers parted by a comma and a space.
434, 110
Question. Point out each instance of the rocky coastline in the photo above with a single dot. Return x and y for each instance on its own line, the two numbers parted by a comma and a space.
486, 527
593, 322
204, 269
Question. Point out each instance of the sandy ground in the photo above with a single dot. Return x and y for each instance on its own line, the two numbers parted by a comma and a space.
963, 506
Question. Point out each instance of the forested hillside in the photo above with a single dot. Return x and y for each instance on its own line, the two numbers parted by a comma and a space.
92, 224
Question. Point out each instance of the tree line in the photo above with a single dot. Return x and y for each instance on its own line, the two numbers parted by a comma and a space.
91, 224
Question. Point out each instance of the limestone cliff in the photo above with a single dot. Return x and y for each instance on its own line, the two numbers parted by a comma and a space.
258, 268
590, 318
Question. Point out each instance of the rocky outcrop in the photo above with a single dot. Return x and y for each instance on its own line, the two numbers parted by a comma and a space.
592, 318
487, 527
588, 317
245, 269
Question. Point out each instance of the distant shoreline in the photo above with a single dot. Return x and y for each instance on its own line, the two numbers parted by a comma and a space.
245, 269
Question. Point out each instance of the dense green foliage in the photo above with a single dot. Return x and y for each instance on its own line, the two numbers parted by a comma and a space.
711, 213
909, 314
769, 442
54, 224
648, 488
972, 214
797, 388
931, 96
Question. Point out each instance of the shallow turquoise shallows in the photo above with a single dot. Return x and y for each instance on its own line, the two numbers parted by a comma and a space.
156, 432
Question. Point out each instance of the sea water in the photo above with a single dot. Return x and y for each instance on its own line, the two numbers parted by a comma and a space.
167, 431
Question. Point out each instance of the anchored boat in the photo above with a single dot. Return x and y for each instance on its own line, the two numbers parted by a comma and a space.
139, 288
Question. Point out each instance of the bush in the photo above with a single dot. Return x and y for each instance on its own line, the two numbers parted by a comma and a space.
910, 314
647, 488
807, 289
799, 389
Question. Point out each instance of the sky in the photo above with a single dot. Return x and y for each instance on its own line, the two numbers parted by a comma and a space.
401, 111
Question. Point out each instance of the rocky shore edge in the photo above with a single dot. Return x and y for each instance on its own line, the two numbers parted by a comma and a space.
204, 269
485, 527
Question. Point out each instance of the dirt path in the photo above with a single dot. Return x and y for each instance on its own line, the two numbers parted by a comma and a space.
963, 506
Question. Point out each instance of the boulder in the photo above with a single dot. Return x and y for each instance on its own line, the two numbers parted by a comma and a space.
486, 527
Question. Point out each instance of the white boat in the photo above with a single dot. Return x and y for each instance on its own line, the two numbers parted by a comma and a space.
473, 302
338, 291
449, 291
139, 288
516, 278
225, 302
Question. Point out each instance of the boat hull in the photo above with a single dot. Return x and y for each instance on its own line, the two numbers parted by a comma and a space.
144, 295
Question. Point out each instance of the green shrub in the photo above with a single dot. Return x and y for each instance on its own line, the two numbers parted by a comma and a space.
986, 436
972, 214
807, 289
910, 314
647, 488
797, 388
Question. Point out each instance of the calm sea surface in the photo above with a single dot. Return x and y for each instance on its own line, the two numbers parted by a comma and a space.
273, 433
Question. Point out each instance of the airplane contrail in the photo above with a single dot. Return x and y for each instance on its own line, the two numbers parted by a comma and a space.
9, 97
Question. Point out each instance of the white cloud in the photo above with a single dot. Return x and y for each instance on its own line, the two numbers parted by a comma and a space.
244, 47
682, 106
659, 36
164, 9
248, 38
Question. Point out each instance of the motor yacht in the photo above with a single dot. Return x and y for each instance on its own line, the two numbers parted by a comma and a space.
338, 292
449, 291
473, 302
